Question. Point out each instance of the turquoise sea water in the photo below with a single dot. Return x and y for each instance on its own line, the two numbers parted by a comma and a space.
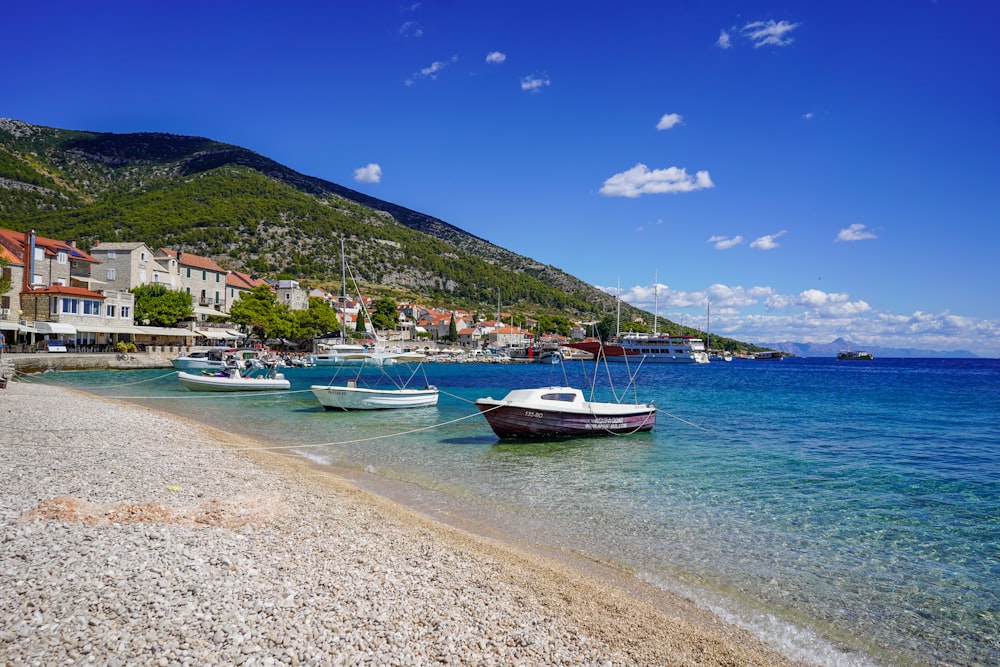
846, 512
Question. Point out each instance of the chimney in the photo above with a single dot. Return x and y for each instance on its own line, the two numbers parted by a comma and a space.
29, 260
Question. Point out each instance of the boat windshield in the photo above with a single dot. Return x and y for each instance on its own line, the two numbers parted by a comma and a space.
559, 397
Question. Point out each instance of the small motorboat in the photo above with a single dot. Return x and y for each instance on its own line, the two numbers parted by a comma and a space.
562, 411
353, 397
233, 380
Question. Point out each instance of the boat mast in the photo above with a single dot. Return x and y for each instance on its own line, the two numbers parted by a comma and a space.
343, 283
708, 326
618, 315
656, 302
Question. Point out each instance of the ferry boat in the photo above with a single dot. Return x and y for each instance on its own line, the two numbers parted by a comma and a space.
854, 355
650, 348
768, 355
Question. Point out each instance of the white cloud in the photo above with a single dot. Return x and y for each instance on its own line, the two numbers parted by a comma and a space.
371, 173
761, 314
639, 180
808, 115
769, 33
534, 84
768, 242
724, 243
495, 57
411, 29
431, 71
855, 232
668, 121
724, 42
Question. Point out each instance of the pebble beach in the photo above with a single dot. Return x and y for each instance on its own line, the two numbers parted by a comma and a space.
132, 537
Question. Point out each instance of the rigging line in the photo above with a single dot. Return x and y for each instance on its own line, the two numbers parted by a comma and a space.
123, 384
208, 394
224, 446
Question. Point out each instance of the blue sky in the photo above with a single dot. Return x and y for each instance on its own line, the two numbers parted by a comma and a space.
814, 170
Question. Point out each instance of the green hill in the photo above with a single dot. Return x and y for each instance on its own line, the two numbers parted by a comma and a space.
249, 213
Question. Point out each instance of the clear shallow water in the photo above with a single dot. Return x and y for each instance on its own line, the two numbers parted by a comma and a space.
848, 512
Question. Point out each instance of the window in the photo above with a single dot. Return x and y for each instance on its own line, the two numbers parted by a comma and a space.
91, 307
61, 258
204, 275
111, 274
112, 254
189, 272
70, 306
126, 312
142, 256
217, 300
109, 311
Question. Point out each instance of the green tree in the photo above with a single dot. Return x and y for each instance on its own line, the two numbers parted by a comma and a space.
452, 329
160, 306
5, 283
319, 319
386, 315
260, 312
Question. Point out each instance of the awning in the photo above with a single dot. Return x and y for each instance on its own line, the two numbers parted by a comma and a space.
202, 310
14, 326
97, 328
55, 328
216, 334
164, 331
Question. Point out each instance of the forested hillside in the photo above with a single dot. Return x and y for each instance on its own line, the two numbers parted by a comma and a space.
252, 214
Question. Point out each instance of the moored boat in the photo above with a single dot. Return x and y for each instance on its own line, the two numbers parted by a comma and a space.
353, 397
854, 355
199, 360
233, 380
650, 348
768, 355
562, 411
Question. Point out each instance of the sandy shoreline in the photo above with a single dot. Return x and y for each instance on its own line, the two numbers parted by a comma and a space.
134, 537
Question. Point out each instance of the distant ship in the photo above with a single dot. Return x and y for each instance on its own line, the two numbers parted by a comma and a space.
852, 355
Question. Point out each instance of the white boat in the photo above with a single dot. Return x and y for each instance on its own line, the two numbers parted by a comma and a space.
854, 355
233, 381
353, 355
353, 397
200, 360
768, 355
562, 411
649, 348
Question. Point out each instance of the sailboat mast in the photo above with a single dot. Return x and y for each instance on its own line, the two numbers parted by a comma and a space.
618, 315
656, 301
343, 270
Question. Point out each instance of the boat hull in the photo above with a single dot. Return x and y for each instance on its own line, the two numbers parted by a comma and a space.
529, 421
215, 383
362, 398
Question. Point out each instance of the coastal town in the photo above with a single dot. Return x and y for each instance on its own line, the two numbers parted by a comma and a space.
62, 298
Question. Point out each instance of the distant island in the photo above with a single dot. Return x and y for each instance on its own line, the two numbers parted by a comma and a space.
832, 348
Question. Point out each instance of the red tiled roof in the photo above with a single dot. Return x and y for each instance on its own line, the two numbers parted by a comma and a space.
243, 281
67, 290
193, 260
51, 247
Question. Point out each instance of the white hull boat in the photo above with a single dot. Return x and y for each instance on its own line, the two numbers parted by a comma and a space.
199, 361
233, 382
353, 397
